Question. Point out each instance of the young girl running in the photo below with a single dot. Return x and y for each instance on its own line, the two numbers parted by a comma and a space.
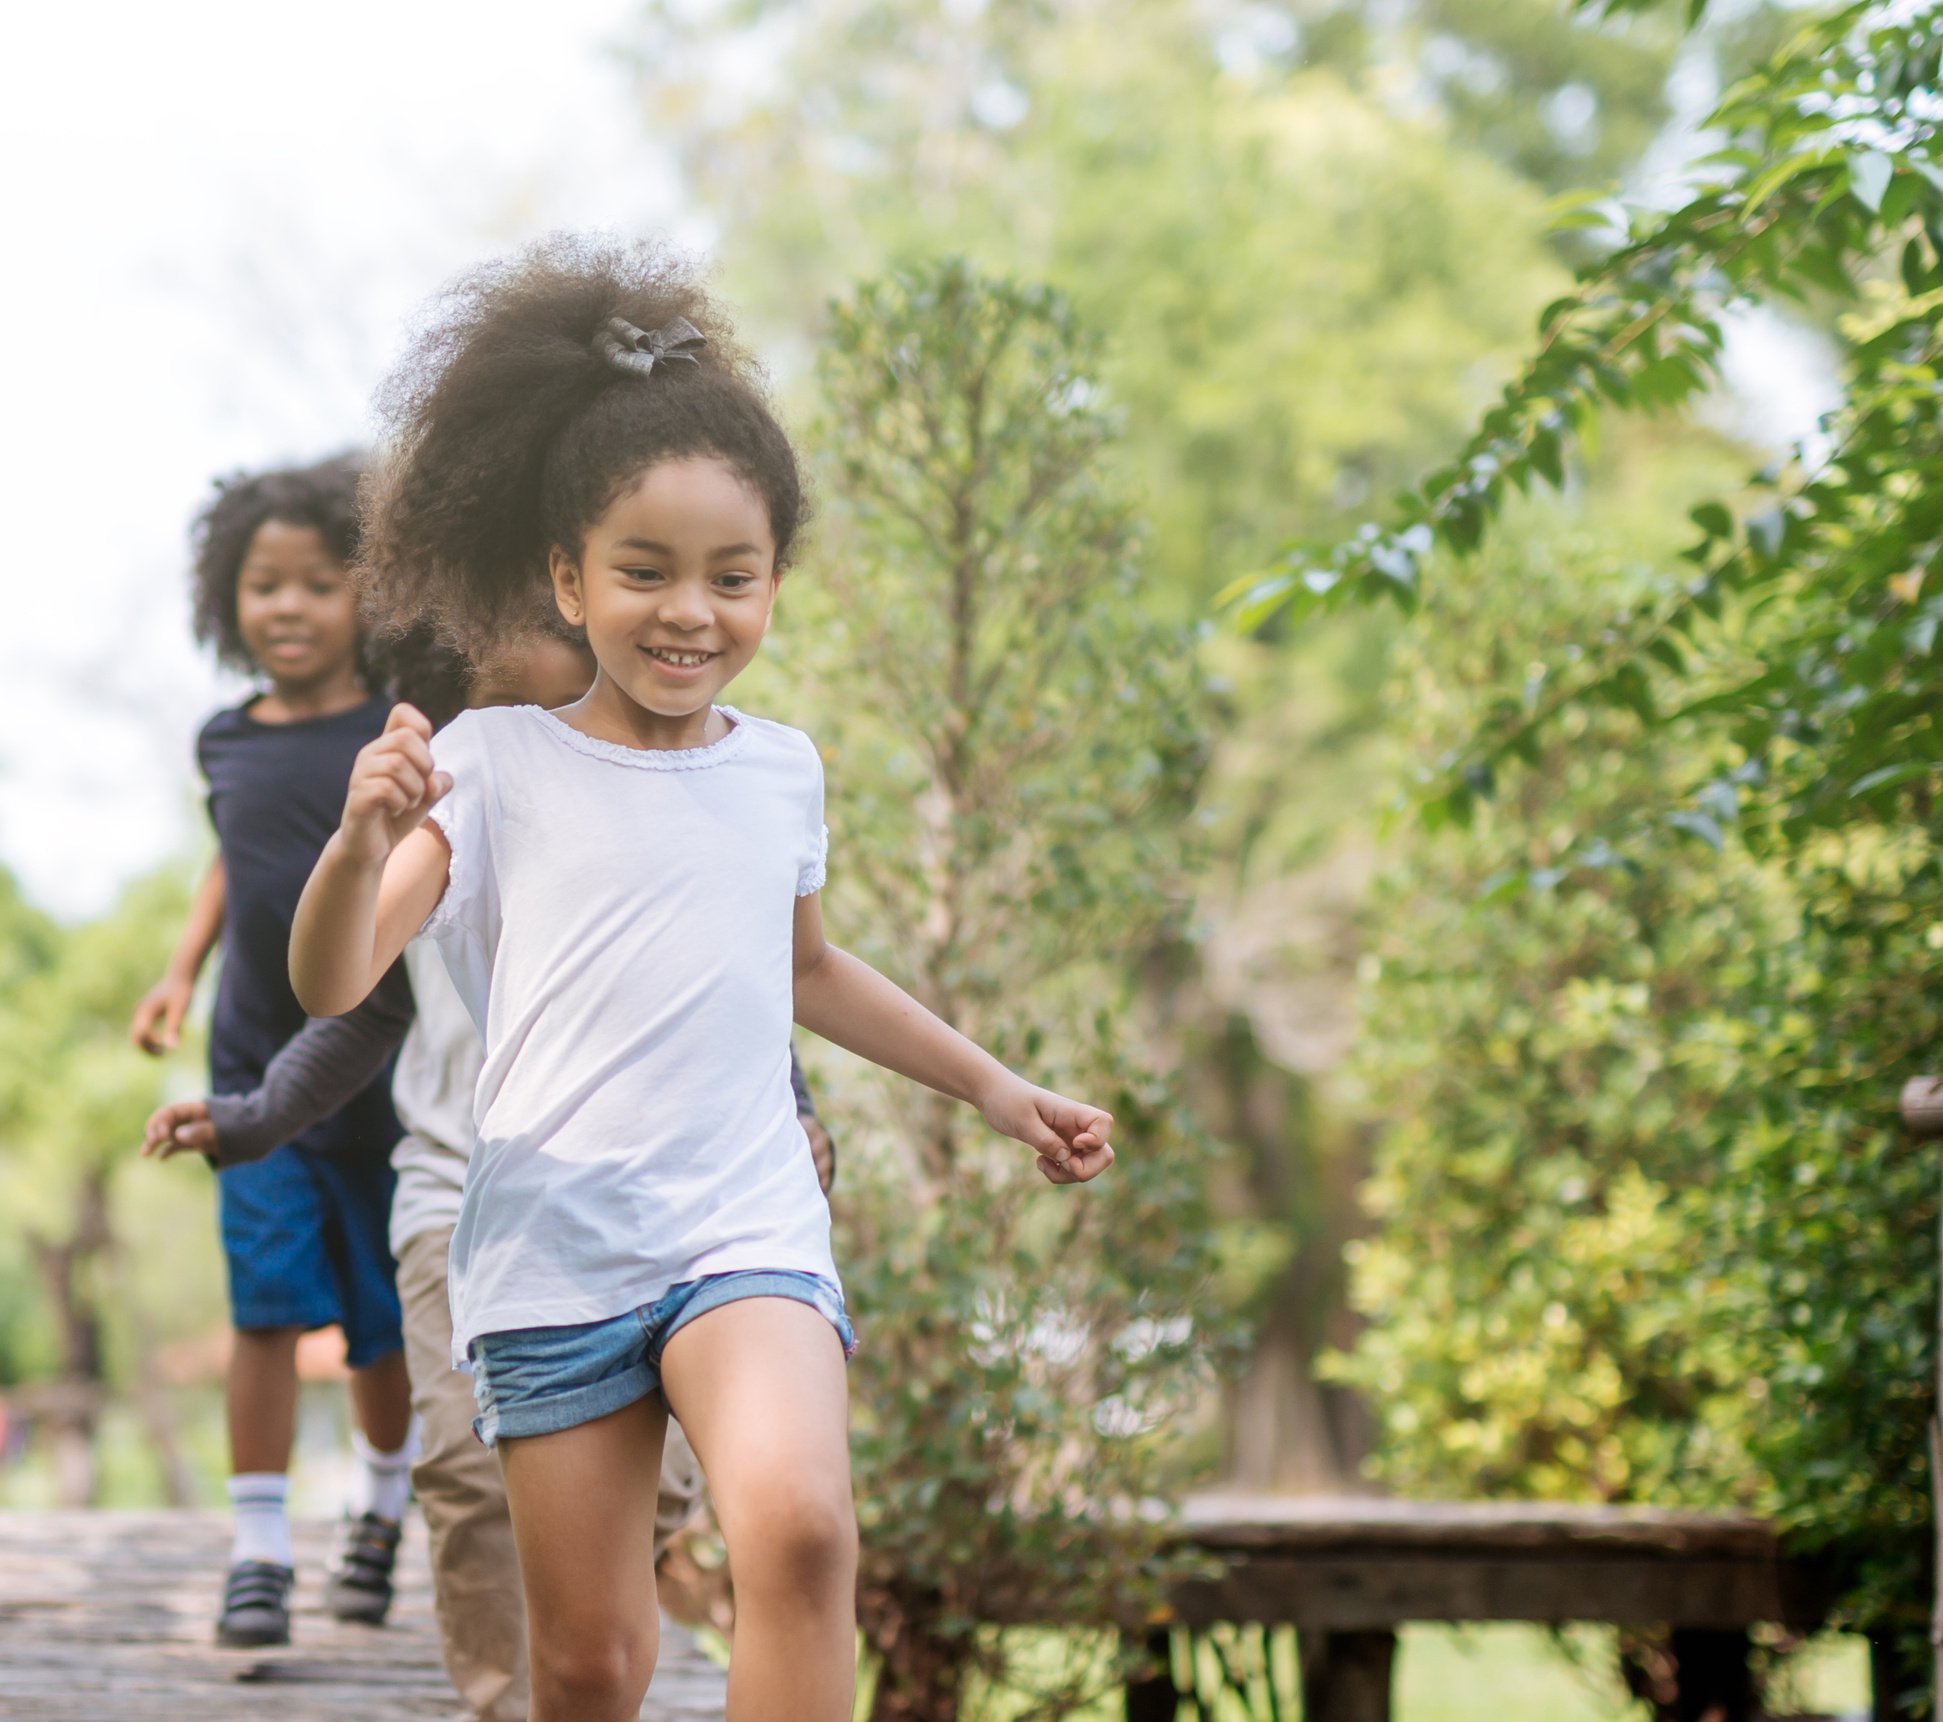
415, 1015
304, 1229
625, 892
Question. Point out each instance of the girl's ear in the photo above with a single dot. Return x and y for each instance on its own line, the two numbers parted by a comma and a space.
565, 573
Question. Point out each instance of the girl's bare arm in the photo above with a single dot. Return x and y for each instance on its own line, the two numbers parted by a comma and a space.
849, 1003
381, 874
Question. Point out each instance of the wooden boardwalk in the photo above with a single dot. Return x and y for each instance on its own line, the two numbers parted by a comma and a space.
106, 1617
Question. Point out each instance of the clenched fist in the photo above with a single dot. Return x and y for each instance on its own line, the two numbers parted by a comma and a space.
393, 786
1069, 1136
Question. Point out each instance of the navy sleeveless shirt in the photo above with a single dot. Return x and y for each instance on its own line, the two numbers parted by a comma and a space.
276, 793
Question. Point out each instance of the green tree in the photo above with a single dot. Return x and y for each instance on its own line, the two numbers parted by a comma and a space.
1795, 656
1301, 294
1012, 747
95, 1226
1552, 1066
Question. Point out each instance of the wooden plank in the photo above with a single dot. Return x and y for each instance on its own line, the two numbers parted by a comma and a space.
1351, 1592
110, 1614
1363, 1523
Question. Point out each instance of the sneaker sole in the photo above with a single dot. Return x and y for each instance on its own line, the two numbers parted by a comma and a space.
250, 1638
359, 1611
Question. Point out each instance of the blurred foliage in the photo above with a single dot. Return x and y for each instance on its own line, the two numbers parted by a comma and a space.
1635, 1001
1303, 294
1703, 834
94, 1272
1555, 1066
1007, 809
1308, 278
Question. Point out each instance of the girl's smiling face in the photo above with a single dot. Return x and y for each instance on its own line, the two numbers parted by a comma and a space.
674, 584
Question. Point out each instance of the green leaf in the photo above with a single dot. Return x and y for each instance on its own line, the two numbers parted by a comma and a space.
1822, 265
1501, 887
1700, 825
1631, 689
1247, 585
1548, 457
1890, 775
1781, 174
1915, 272
1764, 532
1713, 519
1869, 177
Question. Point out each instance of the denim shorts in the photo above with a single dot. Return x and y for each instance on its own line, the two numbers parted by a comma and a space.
538, 1380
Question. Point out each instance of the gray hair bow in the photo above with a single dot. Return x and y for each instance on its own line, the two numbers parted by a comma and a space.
627, 348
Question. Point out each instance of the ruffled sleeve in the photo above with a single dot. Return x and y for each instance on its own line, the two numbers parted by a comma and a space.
464, 818
813, 866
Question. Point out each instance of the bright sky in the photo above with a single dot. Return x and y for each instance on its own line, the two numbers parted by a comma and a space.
220, 214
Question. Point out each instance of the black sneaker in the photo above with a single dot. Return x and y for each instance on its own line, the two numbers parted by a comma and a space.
256, 1605
360, 1584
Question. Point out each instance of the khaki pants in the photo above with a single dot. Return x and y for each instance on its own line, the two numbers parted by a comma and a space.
475, 1571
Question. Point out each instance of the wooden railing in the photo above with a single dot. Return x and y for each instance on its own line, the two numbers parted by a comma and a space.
1347, 1572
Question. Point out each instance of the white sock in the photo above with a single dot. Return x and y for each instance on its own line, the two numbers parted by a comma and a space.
384, 1481
260, 1502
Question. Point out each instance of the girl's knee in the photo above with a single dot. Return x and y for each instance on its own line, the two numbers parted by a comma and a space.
593, 1667
798, 1537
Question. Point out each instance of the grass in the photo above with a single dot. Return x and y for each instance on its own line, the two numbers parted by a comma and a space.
1522, 1673
1496, 1673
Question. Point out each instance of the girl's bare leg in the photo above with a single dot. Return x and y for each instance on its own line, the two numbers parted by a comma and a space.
759, 1387
583, 1503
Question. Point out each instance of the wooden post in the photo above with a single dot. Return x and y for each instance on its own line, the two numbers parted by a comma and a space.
1715, 1682
1922, 1110
1346, 1676
1151, 1694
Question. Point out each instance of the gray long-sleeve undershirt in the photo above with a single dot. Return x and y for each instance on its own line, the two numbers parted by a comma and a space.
320, 1067
330, 1059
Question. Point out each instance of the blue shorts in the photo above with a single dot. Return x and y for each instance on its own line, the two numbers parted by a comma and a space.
305, 1236
538, 1380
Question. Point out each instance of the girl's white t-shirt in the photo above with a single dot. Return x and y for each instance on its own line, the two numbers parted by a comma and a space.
619, 923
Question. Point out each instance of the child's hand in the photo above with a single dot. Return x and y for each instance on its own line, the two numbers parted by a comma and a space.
823, 1151
157, 1024
1071, 1137
393, 786
182, 1128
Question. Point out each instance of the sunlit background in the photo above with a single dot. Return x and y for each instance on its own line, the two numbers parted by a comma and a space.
223, 217
1312, 240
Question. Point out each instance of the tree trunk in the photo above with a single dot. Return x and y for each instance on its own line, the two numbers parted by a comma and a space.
67, 1272
1286, 1430
1280, 1435
152, 1402
919, 1677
